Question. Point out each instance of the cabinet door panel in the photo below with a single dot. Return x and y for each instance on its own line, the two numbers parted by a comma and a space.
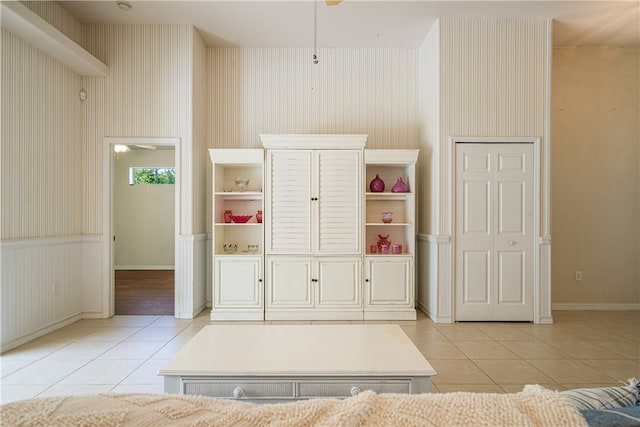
390, 281
237, 282
339, 282
289, 198
289, 282
339, 202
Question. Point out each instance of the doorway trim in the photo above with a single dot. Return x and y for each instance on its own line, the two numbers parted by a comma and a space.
542, 242
107, 208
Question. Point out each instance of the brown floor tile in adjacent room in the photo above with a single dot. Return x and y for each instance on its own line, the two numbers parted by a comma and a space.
144, 292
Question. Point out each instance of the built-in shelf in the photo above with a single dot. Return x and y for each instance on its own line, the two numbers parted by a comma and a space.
30, 27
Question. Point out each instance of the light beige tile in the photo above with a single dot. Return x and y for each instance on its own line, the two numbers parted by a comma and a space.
512, 372
147, 373
458, 372
509, 332
130, 320
534, 350
443, 350
15, 392
169, 350
75, 389
157, 333
172, 321
138, 388
133, 350
112, 333
103, 372
484, 350
570, 371
585, 350
34, 350
620, 370
463, 333
423, 333
44, 371
84, 350
470, 388
629, 350
9, 366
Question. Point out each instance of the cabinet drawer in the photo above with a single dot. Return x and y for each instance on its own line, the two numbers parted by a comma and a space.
346, 388
239, 389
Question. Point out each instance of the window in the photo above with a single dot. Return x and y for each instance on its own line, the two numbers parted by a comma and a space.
146, 175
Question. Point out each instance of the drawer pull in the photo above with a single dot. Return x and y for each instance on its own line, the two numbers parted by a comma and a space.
355, 391
238, 392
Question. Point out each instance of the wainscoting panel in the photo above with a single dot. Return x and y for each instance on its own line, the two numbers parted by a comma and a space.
41, 287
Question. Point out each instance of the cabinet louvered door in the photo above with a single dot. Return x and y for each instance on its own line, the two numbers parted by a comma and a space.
289, 197
339, 202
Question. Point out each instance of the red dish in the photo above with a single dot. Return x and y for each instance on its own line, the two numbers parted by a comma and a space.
241, 218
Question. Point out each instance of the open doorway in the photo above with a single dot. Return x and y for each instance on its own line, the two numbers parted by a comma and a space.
143, 210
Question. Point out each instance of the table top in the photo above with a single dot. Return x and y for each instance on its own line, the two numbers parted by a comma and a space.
299, 350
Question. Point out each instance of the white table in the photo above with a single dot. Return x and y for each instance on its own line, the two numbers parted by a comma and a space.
288, 362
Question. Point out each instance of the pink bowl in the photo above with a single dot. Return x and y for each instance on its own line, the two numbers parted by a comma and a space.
241, 218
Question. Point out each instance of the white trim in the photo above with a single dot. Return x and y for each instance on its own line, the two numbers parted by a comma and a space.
432, 238
42, 242
540, 284
30, 27
144, 267
108, 297
314, 141
596, 306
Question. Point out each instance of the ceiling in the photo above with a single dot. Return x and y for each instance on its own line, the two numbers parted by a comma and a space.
363, 24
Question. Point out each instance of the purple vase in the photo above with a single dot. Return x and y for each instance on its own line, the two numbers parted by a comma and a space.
400, 186
376, 185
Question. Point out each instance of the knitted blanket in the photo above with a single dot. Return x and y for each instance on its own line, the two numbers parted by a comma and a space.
534, 406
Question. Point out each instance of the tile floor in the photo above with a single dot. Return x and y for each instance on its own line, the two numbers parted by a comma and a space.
124, 353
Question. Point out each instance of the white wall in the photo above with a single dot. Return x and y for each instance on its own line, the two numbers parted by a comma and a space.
41, 194
144, 216
596, 189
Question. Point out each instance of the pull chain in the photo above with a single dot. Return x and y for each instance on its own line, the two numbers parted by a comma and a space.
315, 32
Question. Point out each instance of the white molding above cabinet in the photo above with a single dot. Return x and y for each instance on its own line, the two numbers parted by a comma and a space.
29, 26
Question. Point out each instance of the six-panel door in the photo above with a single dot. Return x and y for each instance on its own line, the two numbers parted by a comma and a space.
494, 232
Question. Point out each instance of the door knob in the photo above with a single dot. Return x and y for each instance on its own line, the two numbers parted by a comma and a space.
512, 242
355, 391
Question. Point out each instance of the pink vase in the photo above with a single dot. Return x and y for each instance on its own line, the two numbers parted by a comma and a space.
376, 185
227, 216
259, 216
400, 186
383, 244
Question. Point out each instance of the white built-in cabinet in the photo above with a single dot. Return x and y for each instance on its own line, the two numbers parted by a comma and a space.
237, 248
389, 288
313, 259
314, 227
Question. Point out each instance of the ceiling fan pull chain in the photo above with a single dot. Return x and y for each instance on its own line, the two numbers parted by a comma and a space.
315, 31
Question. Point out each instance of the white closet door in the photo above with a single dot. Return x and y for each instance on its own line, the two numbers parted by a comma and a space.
494, 232
339, 202
289, 197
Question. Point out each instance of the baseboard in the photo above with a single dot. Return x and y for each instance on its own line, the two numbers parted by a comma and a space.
144, 267
596, 306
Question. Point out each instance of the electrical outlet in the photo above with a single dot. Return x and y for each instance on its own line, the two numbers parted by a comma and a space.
578, 276
54, 288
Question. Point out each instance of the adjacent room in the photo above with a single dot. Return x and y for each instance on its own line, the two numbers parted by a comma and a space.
137, 134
